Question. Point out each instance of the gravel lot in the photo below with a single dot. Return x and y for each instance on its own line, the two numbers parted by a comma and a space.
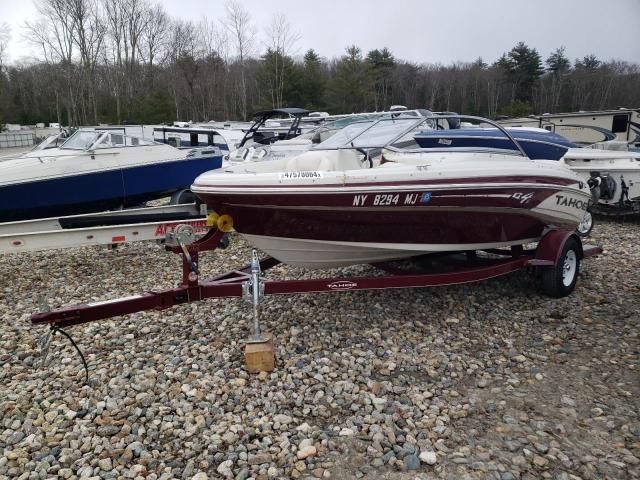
483, 381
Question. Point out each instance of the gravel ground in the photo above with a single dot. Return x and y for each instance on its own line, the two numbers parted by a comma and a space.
482, 381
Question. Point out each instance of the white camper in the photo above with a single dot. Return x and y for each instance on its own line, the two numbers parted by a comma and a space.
587, 127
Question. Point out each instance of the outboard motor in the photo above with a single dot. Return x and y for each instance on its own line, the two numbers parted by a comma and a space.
602, 186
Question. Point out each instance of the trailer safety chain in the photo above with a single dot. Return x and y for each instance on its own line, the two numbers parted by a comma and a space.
45, 342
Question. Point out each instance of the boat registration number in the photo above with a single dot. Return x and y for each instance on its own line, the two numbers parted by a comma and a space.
391, 199
296, 175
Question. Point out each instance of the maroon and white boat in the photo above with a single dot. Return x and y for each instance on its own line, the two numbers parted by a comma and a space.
372, 203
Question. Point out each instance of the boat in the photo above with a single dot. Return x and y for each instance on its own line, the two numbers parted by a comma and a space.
96, 170
378, 196
320, 137
613, 172
611, 168
537, 143
198, 136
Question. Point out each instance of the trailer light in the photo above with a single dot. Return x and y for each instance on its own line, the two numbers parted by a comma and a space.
225, 223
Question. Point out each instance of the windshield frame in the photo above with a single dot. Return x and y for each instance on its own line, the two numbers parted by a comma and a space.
69, 143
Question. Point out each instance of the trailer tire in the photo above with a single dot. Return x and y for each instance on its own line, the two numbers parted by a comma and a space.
586, 225
560, 280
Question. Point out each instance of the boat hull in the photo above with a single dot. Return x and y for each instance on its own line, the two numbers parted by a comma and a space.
99, 190
332, 229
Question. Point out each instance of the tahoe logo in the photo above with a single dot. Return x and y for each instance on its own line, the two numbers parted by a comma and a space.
342, 285
571, 202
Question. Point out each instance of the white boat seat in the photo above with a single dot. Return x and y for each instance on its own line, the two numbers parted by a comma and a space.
326, 161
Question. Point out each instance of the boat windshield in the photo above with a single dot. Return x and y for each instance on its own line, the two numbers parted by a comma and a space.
370, 134
81, 140
86, 139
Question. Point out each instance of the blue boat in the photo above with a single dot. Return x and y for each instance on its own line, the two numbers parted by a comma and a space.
537, 143
93, 171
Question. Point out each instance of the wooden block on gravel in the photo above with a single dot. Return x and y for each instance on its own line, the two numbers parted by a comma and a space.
260, 357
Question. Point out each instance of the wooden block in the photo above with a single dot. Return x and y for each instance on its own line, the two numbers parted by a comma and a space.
260, 357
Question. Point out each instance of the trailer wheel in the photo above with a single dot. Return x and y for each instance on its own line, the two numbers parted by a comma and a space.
560, 280
586, 225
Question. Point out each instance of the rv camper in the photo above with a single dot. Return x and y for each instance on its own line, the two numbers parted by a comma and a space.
587, 127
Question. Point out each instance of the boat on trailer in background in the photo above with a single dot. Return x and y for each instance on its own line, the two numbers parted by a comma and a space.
198, 136
611, 168
97, 170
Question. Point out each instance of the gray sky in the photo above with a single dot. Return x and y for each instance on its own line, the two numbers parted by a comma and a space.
421, 30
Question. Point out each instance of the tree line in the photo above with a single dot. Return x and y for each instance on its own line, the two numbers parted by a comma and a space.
128, 61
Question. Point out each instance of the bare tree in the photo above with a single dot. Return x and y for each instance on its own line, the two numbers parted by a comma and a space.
89, 35
126, 21
281, 40
213, 39
155, 35
238, 22
182, 62
5, 35
54, 33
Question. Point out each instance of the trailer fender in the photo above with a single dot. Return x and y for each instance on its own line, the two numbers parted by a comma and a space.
551, 245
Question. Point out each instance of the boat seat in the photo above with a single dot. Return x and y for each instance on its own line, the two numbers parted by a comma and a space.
325, 161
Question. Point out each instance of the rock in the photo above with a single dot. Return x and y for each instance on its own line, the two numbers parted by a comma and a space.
239, 382
304, 428
379, 403
259, 459
428, 457
411, 462
305, 443
136, 447
144, 399
346, 432
243, 474
224, 469
631, 460
14, 438
108, 430
568, 401
308, 451
105, 464
230, 437
85, 471
540, 461
200, 476
282, 419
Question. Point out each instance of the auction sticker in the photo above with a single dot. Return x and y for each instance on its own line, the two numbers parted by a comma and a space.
297, 175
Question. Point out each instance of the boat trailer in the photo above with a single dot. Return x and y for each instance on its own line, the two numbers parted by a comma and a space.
249, 283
